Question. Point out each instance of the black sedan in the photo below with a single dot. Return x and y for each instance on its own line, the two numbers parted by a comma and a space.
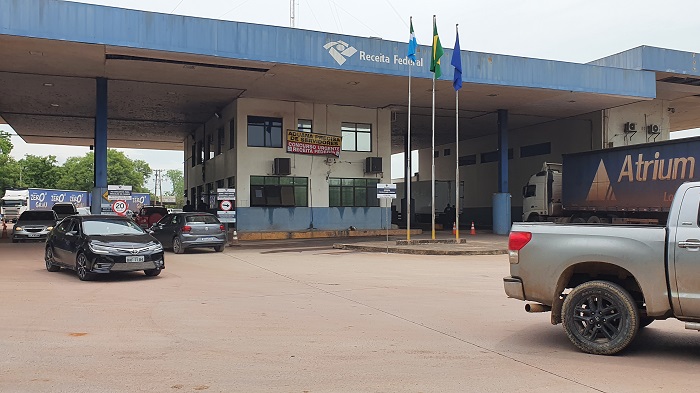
187, 230
93, 245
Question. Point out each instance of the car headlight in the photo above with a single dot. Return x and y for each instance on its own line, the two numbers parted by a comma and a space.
156, 248
49, 228
97, 249
18, 229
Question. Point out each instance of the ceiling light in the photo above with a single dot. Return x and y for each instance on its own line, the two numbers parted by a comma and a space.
36, 53
353, 83
171, 93
48, 84
189, 67
269, 75
55, 105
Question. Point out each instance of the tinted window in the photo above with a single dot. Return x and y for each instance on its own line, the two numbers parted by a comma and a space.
153, 210
202, 218
64, 209
111, 227
529, 191
37, 215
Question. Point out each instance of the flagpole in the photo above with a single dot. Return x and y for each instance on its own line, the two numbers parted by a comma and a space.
408, 152
432, 156
457, 155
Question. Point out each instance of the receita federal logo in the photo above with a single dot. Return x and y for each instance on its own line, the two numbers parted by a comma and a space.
340, 51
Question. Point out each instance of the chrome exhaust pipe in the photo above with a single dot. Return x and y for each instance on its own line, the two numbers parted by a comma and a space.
536, 307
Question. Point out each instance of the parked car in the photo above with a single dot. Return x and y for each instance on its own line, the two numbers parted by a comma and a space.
64, 210
187, 230
84, 211
149, 215
34, 225
93, 245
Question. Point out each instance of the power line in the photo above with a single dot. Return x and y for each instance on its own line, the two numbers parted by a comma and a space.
178, 4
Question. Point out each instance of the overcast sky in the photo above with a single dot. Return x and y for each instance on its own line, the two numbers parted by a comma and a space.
567, 30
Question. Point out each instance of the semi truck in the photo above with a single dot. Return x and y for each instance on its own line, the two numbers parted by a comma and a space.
630, 184
16, 201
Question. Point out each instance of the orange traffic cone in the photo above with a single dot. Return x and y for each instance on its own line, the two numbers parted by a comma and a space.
454, 228
473, 231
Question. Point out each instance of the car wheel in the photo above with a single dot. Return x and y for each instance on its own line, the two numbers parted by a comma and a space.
219, 248
177, 246
49, 259
152, 272
600, 317
81, 267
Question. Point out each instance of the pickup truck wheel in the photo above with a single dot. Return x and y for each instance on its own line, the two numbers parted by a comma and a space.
600, 317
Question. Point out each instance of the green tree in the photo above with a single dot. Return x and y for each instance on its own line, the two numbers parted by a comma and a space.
40, 172
78, 172
178, 182
9, 169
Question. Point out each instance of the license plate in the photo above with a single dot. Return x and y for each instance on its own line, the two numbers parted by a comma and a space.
33, 235
208, 239
138, 258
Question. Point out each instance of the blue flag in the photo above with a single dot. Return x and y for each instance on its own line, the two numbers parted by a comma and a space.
412, 44
457, 64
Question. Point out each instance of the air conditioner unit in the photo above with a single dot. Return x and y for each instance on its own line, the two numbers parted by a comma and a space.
373, 165
630, 127
653, 129
282, 166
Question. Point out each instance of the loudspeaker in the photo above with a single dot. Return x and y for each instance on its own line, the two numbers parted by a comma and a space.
282, 166
373, 165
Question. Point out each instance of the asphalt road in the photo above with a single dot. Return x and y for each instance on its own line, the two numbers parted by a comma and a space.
280, 317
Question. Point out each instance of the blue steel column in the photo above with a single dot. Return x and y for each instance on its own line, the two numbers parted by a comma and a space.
100, 145
501, 200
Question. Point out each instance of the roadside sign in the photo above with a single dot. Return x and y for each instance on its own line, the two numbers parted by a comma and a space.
225, 205
227, 217
169, 199
224, 194
118, 193
386, 191
120, 207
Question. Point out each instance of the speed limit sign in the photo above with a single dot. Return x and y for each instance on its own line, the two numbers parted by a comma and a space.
119, 207
225, 205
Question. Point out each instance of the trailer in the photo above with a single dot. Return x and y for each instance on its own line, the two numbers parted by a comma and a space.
17, 201
629, 184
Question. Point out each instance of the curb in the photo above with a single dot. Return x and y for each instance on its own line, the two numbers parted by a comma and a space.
394, 250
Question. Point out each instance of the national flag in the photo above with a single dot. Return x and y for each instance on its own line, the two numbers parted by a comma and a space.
412, 44
457, 64
436, 53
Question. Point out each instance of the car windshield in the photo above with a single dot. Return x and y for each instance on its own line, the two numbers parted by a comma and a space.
111, 227
37, 216
10, 202
202, 219
64, 209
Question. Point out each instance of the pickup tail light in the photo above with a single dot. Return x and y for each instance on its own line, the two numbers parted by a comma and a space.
186, 228
516, 241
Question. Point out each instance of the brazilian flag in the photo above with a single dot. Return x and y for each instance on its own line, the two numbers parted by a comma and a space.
437, 52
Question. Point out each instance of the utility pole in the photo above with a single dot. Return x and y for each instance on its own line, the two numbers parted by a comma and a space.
158, 187
292, 13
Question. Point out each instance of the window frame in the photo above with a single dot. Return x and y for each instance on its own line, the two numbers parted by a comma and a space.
303, 127
269, 124
351, 127
352, 188
276, 191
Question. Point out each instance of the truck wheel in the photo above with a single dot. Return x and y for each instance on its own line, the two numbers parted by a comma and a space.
600, 317
578, 220
593, 220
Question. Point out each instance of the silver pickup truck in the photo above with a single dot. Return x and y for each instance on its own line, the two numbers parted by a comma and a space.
605, 282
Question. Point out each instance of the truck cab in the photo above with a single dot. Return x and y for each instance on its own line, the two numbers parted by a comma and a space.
542, 194
13, 204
